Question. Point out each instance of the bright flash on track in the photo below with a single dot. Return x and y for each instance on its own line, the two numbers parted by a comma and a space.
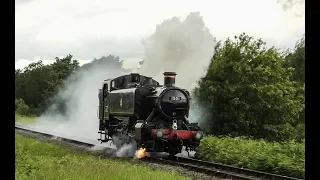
141, 153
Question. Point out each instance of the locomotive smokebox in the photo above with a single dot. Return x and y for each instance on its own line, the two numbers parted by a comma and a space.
169, 78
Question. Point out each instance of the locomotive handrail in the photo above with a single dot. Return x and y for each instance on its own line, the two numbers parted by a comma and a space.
98, 112
108, 79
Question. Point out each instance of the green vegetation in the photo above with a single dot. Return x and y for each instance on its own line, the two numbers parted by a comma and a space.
280, 158
21, 107
43, 160
252, 90
22, 114
24, 119
37, 83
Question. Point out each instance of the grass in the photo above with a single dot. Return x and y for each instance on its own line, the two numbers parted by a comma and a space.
280, 158
42, 160
24, 119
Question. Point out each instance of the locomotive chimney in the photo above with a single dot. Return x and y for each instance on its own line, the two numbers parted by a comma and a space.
169, 78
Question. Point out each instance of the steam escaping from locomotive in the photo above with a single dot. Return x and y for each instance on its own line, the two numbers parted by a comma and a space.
126, 150
80, 98
184, 47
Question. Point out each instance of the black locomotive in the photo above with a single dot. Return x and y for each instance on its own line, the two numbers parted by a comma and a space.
135, 108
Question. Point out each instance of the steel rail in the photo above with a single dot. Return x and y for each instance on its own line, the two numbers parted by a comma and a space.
203, 169
53, 135
223, 170
210, 168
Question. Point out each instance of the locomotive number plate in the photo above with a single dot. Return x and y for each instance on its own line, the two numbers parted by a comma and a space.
175, 98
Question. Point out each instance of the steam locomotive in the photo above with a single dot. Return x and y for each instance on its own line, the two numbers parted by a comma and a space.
136, 109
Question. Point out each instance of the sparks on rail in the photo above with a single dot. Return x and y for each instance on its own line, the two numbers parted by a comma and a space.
141, 153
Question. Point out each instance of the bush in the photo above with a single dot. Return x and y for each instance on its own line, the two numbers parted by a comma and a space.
280, 158
21, 108
25, 119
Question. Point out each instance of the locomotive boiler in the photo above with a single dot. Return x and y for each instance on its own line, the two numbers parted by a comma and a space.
136, 108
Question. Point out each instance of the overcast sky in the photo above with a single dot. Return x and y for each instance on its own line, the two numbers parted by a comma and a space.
45, 29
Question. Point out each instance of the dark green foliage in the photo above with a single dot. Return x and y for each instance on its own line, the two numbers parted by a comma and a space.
110, 61
21, 107
249, 91
64, 67
296, 59
37, 83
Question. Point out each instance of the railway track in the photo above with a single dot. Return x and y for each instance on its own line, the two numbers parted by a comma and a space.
210, 168
219, 170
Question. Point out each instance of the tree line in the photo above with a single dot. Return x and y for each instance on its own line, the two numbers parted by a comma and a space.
252, 90
249, 89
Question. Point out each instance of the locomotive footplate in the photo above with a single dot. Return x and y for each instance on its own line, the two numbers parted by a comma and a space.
176, 134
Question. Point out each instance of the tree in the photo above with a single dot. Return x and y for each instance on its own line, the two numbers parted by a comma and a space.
249, 92
111, 61
37, 83
296, 59
65, 66
21, 108
30, 83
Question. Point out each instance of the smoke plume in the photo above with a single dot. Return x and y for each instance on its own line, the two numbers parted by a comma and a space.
297, 7
185, 47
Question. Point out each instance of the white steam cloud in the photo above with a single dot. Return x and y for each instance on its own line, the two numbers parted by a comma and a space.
127, 150
185, 47
80, 119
